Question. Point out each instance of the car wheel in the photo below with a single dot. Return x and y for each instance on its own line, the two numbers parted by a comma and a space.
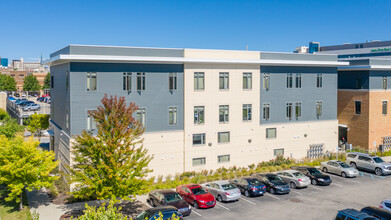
343, 174
325, 170
247, 193
378, 171
353, 165
272, 191
219, 198
195, 204
293, 185
313, 182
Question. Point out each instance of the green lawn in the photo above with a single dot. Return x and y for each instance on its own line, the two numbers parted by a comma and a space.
10, 210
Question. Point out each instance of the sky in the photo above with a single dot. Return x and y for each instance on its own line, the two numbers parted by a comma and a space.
31, 28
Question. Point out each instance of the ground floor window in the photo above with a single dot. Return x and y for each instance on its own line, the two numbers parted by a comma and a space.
223, 158
199, 161
271, 133
279, 152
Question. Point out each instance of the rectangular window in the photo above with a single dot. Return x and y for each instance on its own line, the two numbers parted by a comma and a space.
384, 107
198, 139
319, 80
266, 81
289, 80
223, 137
266, 112
172, 115
172, 82
271, 133
247, 112
289, 110
279, 152
223, 113
224, 80
140, 82
298, 109
384, 84
357, 107
358, 83
91, 81
66, 80
127, 82
199, 161
91, 123
319, 109
298, 80
51, 81
199, 112
223, 158
67, 119
199, 81
141, 115
247, 81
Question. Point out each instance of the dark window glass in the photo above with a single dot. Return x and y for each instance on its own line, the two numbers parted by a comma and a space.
357, 107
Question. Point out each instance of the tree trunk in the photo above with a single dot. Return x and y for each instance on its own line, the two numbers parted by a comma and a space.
21, 201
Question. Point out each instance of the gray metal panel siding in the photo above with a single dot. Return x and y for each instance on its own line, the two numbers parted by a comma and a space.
65, 50
156, 98
125, 67
126, 51
297, 56
359, 62
59, 96
278, 95
347, 79
376, 79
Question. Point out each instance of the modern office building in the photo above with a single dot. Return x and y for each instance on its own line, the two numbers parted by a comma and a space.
4, 62
302, 49
313, 47
202, 109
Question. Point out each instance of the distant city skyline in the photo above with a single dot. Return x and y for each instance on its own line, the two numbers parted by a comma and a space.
31, 28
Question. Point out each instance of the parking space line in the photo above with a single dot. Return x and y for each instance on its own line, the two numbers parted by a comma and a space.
222, 206
316, 188
337, 185
248, 201
196, 212
266, 194
361, 174
348, 179
297, 192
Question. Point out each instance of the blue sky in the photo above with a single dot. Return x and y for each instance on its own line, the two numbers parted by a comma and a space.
29, 28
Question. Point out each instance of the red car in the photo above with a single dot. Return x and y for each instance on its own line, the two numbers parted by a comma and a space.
197, 196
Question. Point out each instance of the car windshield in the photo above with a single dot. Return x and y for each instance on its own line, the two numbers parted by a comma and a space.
173, 197
314, 171
274, 179
254, 182
198, 191
228, 186
298, 174
344, 165
378, 160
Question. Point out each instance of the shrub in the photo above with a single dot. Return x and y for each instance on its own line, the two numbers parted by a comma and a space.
3, 114
102, 213
53, 190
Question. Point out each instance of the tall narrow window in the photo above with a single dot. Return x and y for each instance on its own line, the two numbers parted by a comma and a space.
289, 110
319, 80
223, 137
266, 112
247, 81
289, 80
172, 115
52, 81
199, 114
140, 82
223, 113
199, 81
247, 112
384, 107
298, 80
384, 84
172, 82
141, 115
358, 83
298, 109
357, 107
91, 81
66, 80
224, 80
67, 118
319, 109
127, 82
266, 81
91, 123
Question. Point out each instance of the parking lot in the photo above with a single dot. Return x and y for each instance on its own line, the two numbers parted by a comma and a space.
314, 202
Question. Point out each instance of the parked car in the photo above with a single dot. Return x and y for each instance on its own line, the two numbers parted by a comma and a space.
249, 186
17, 95
32, 107
338, 167
19, 100
386, 205
368, 162
197, 196
223, 190
352, 214
377, 212
274, 184
12, 99
317, 177
23, 94
23, 104
166, 197
153, 213
49, 101
294, 178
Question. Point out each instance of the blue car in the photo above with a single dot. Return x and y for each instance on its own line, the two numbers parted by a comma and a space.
12, 99
19, 100
166, 211
353, 215
249, 186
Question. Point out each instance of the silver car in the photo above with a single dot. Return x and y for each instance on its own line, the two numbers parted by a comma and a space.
223, 190
368, 162
338, 167
294, 178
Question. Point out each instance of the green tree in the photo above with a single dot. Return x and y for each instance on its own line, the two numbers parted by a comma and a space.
3, 115
7, 83
9, 127
30, 83
37, 122
24, 166
46, 82
112, 163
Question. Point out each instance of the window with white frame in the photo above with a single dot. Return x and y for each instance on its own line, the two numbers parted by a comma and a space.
127, 82
289, 110
247, 112
319, 80
298, 80
172, 81
199, 114
199, 139
199, 81
319, 109
289, 80
266, 111
141, 115
91, 123
224, 80
223, 158
247, 81
91, 82
140, 82
199, 161
172, 115
266, 81
223, 113
298, 109
223, 137
271, 133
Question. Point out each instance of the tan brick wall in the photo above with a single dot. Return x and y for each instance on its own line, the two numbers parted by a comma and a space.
379, 124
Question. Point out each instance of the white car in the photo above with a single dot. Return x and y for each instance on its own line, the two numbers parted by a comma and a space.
386, 204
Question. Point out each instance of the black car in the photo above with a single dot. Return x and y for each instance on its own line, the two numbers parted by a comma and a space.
377, 212
166, 197
317, 177
153, 213
274, 183
249, 186
353, 214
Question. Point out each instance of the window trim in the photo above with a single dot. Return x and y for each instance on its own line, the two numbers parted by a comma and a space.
246, 76
224, 121
173, 75
263, 111
301, 105
251, 113
291, 110
89, 77
225, 77
145, 123
219, 139
198, 121
266, 83
196, 75
204, 139
176, 119
90, 124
